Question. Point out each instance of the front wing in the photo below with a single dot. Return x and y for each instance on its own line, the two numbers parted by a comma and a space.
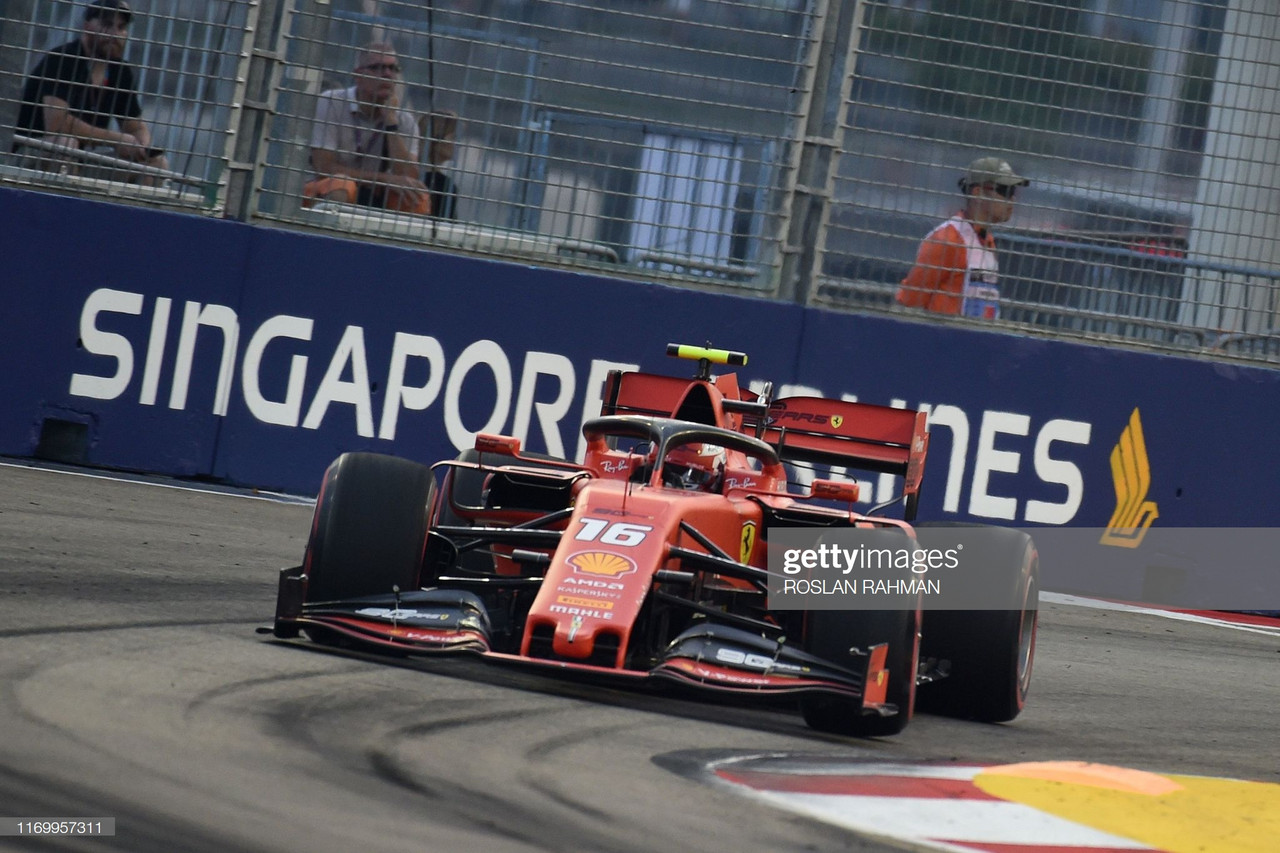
720, 658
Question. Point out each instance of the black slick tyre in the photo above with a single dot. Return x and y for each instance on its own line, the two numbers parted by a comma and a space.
369, 527
465, 487
990, 652
830, 634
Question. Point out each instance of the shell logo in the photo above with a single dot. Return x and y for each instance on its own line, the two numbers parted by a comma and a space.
601, 563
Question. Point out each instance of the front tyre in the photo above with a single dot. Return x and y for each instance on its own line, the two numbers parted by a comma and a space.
991, 652
369, 527
830, 634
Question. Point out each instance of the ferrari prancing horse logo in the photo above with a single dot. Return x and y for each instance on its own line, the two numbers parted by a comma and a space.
748, 541
836, 420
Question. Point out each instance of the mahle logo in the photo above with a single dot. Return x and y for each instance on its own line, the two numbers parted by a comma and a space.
1131, 471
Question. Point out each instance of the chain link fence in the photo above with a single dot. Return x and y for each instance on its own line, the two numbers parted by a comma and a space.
185, 58
1147, 130
636, 137
795, 149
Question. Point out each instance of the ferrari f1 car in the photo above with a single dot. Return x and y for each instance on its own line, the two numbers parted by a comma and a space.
648, 560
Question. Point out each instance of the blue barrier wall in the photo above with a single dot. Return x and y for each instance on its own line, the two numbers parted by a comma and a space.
198, 347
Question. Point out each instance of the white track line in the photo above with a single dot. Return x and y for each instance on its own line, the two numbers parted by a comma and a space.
1099, 604
149, 480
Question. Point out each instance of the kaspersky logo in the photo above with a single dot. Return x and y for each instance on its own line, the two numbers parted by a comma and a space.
1131, 471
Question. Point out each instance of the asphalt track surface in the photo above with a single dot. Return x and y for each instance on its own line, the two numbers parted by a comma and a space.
135, 687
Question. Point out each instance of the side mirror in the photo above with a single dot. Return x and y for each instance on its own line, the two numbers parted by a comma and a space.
834, 490
503, 445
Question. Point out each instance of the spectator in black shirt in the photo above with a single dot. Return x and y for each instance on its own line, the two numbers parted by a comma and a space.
78, 89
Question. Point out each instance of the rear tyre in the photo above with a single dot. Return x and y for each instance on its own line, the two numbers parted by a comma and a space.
990, 651
830, 635
369, 528
465, 487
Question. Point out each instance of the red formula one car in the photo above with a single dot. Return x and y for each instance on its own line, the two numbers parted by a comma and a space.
648, 561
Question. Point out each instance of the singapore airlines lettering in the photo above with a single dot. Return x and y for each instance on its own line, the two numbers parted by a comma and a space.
284, 333
272, 370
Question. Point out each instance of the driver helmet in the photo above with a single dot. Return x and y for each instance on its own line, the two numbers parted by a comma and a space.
694, 467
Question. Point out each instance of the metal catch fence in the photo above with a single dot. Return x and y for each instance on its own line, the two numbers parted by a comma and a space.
187, 59
1140, 127
617, 137
798, 149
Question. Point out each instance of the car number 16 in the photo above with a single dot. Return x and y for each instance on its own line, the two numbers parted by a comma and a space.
612, 533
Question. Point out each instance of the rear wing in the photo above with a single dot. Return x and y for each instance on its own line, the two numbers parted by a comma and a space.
642, 394
714, 401
853, 435
862, 436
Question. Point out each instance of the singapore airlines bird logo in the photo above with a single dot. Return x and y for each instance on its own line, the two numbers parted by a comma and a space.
1131, 471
